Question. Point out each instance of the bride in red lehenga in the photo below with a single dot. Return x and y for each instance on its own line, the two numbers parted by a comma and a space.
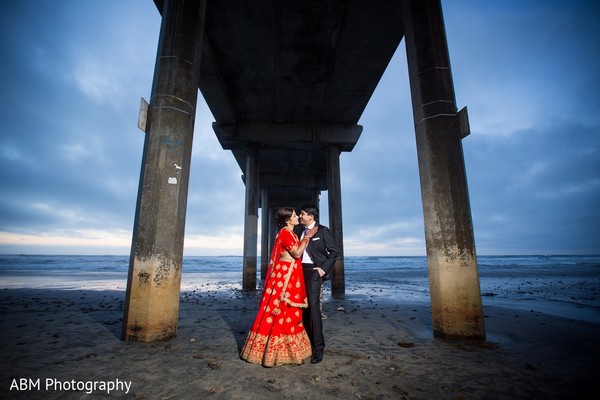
278, 336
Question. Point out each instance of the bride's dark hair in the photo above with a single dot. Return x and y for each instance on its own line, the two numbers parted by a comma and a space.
283, 216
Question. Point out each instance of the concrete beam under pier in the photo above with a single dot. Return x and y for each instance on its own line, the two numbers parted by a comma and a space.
305, 135
295, 180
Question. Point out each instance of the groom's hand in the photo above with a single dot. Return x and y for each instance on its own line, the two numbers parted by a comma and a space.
320, 271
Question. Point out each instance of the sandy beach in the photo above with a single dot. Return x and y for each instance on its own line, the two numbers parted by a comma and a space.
377, 348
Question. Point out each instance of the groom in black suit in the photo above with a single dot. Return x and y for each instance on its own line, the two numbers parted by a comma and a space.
317, 261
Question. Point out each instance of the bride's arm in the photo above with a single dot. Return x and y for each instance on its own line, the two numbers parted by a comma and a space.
297, 251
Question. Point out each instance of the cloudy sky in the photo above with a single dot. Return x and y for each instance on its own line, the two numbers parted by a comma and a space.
73, 72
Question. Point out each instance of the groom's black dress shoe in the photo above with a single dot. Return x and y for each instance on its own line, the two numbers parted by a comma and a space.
316, 358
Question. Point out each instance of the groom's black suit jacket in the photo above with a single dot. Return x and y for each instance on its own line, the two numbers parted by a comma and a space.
323, 249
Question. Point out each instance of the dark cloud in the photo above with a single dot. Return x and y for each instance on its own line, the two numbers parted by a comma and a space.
70, 152
536, 191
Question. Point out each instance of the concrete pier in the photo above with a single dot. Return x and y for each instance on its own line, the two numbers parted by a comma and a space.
334, 186
287, 164
456, 306
287, 87
153, 284
251, 218
266, 232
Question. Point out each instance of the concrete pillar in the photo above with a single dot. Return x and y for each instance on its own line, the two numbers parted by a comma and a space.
153, 284
265, 235
251, 218
453, 277
316, 197
334, 189
272, 230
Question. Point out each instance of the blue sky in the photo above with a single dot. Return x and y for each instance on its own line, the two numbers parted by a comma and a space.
73, 73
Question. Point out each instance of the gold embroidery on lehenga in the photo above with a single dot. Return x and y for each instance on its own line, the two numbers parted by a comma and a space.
260, 350
284, 340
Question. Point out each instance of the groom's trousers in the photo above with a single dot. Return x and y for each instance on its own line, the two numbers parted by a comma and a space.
313, 323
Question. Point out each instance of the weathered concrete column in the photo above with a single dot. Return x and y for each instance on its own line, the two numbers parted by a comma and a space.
251, 218
453, 277
334, 189
265, 234
153, 283
316, 197
272, 231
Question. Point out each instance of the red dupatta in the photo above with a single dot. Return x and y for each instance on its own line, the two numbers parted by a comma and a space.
295, 295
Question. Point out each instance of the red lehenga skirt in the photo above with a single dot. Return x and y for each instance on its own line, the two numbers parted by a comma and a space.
278, 336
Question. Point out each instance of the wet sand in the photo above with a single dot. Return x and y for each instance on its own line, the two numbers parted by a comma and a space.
377, 348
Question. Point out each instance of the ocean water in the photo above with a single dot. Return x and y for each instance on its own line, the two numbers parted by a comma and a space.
522, 265
561, 285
